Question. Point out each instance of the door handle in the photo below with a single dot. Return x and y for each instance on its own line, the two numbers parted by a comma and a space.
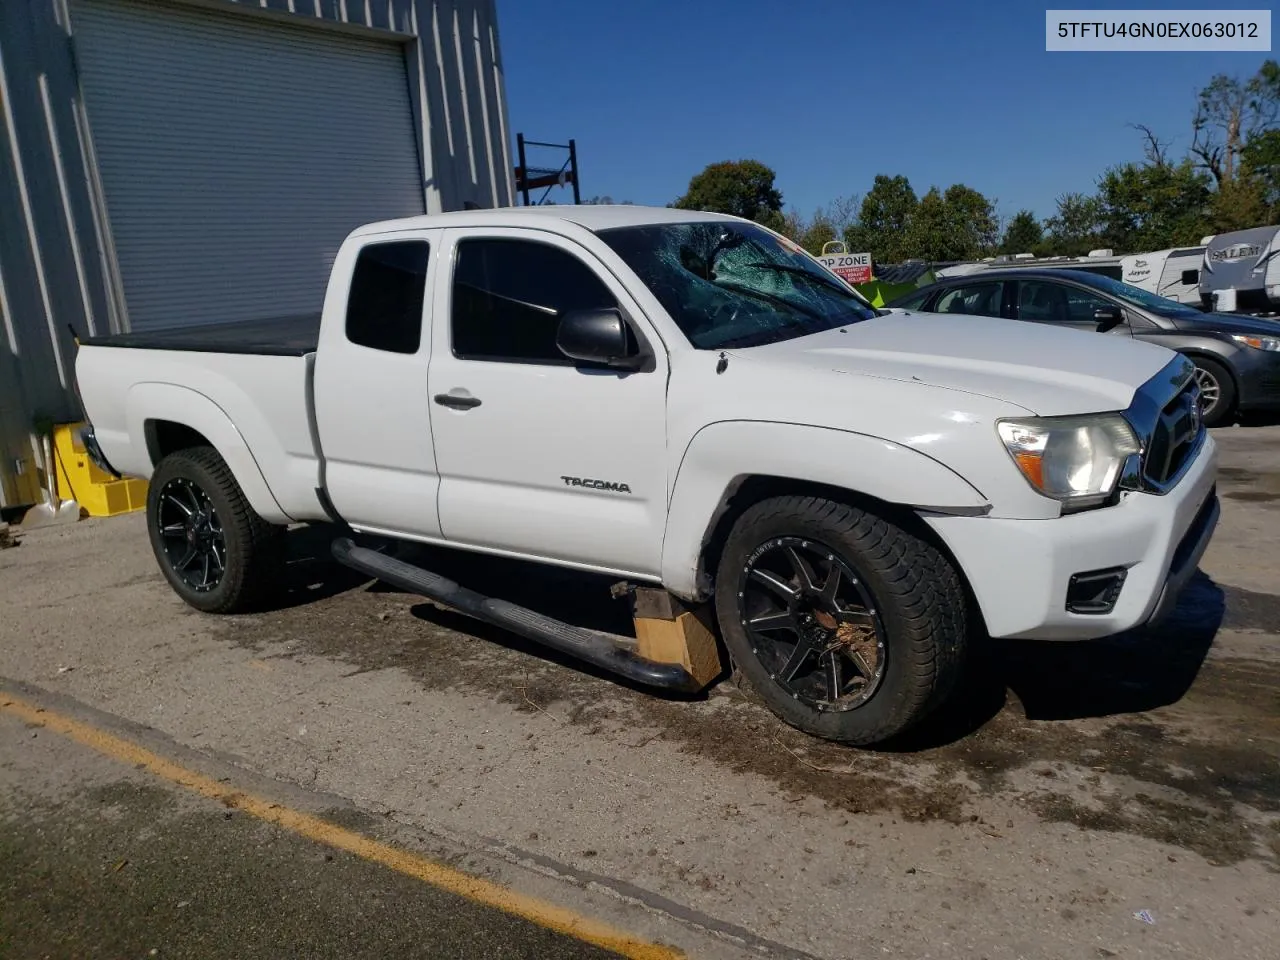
459, 403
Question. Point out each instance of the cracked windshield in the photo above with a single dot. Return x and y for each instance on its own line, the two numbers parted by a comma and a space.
735, 286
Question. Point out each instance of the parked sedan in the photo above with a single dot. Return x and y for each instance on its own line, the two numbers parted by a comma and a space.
1237, 358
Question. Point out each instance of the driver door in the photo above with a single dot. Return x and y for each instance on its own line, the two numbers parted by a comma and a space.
539, 456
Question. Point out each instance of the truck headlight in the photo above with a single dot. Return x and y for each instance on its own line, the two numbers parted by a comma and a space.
1270, 344
1076, 460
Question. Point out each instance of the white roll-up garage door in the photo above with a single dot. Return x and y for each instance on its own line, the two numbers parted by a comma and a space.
236, 152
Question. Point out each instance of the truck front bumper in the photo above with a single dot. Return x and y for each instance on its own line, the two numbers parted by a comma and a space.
1125, 564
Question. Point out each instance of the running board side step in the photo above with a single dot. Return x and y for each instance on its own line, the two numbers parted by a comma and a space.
608, 651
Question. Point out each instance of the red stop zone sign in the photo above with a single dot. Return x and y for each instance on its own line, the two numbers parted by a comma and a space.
850, 267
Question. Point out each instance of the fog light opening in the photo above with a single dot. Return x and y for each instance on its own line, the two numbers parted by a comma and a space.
1095, 592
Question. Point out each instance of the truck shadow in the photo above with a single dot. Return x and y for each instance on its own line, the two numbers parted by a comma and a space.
1129, 673
1063, 680
460, 623
1051, 681
581, 599
311, 574
574, 597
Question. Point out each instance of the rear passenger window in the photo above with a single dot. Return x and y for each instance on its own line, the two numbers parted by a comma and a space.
509, 295
384, 307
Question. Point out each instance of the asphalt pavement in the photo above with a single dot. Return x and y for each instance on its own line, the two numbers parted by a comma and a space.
101, 860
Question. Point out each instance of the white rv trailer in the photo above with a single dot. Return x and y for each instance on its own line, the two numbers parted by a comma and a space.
1240, 272
1172, 273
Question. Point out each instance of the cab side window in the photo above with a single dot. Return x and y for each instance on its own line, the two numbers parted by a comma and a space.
509, 296
384, 305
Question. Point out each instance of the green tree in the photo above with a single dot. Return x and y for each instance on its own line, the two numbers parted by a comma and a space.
1154, 205
741, 188
1260, 167
958, 224
1237, 205
1023, 234
1075, 228
819, 231
929, 233
828, 222
793, 225
972, 226
884, 219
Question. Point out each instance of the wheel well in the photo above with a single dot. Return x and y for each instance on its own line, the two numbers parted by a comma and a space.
751, 490
1201, 355
167, 436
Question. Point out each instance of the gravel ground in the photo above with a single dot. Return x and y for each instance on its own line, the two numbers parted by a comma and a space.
1077, 784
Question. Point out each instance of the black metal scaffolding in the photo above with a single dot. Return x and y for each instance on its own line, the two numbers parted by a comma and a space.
536, 178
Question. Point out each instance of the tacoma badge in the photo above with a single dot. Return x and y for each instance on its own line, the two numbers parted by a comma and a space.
596, 484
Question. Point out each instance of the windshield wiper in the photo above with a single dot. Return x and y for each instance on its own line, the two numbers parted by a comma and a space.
768, 298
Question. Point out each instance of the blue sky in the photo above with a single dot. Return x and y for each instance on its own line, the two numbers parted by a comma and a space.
830, 93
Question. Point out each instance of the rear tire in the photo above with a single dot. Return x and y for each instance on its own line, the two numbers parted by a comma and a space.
896, 599
217, 553
1212, 376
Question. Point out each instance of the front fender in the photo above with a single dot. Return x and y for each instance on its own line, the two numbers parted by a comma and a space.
167, 401
721, 455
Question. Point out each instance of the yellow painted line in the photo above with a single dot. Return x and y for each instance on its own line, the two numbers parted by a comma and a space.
544, 914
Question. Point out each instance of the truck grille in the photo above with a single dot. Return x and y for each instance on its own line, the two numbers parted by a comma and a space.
1174, 437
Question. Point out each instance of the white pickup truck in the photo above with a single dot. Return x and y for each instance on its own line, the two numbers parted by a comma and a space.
686, 402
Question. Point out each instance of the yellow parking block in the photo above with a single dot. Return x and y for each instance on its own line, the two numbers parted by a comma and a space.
79, 479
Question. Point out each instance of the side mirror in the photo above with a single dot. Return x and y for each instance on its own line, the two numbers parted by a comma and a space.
1107, 318
599, 336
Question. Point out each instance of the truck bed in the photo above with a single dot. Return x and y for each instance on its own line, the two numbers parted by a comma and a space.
244, 387
280, 336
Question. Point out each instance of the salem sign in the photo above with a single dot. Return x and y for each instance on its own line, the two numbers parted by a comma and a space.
850, 267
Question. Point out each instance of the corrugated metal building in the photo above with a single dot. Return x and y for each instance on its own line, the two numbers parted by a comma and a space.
196, 161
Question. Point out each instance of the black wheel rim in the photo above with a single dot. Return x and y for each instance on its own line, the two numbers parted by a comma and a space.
812, 623
191, 533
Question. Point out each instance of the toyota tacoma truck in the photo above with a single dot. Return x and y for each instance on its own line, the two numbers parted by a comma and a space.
689, 403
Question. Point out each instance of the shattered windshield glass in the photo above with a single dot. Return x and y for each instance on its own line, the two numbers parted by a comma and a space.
735, 285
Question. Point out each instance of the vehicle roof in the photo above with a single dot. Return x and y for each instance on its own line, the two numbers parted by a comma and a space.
1048, 273
592, 216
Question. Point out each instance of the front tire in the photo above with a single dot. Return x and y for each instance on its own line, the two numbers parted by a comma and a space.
217, 553
849, 627
1217, 391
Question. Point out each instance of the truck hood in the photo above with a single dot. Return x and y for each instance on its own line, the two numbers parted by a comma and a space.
1044, 370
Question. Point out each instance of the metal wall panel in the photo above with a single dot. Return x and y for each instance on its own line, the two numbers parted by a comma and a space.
236, 154
58, 257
